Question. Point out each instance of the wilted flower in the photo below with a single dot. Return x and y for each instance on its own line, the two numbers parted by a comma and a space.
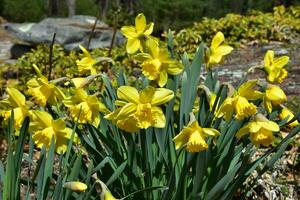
287, 114
43, 91
158, 64
274, 67
140, 110
45, 128
239, 103
194, 137
86, 63
217, 50
138, 34
260, 130
16, 102
274, 96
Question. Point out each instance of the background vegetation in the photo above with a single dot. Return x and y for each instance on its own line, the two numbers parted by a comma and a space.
166, 14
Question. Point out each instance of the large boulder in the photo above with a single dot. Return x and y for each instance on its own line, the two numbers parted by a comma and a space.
70, 32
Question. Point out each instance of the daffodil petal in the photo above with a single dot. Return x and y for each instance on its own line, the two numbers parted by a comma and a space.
223, 50
129, 32
163, 78
133, 44
16, 98
160, 119
128, 93
217, 40
211, 131
126, 111
269, 57
269, 125
149, 28
140, 23
243, 131
281, 61
162, 96
43, 117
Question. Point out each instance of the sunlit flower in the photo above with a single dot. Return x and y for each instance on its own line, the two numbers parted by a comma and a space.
157, 64
239, 103
86, 64
274, 67
217, 50
75, 186
45, 128
85, 108
261, 131
137, 35
16, 102
194, 137
44, 91
140, 110
288, 114
274, 96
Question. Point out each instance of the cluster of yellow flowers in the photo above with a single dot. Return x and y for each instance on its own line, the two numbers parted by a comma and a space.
142, 109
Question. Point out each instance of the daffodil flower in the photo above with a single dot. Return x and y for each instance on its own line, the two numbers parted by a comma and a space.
274, 67
140, 110
16, 102
194, 137
75, 186
239, 103
138, 34
217, 50
45, 128
86, 64
274, 96
260, 129
85, 108
157, 64
288, 114
44, 91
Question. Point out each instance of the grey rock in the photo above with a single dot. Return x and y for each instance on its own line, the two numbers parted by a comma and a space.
70, 32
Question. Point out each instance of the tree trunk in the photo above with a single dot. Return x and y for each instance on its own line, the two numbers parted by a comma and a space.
53, 7
71, 7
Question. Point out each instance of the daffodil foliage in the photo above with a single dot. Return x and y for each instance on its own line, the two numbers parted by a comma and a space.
176, 132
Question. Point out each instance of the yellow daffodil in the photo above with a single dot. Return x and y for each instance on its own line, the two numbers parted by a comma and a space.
45, 128
260, 130
288, 114
140, 110
44, 91
86, 64
194, 137
108, 195
274, 96
16, 102
85, 108
105, 193
75, 186
274, 67
137, 35
157, 64
217, 50
239, 103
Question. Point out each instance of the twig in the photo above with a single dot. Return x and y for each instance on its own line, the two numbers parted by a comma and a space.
50, 56
92, 33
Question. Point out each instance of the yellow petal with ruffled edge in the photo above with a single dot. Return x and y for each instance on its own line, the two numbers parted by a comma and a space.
160, 119
128, 93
